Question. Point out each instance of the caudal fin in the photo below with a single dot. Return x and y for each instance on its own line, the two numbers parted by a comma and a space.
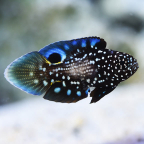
28, 73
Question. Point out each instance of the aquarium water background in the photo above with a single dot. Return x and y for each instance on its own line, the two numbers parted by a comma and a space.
27, 26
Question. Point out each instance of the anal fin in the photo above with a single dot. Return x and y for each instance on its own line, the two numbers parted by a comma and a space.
65, 93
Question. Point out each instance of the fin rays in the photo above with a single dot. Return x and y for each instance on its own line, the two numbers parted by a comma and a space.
27, 74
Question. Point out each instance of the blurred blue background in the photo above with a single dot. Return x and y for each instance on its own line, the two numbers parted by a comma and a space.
27, 26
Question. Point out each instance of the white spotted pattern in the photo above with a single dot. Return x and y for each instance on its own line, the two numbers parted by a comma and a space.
36, 81
44, 69
31, 74
45, 82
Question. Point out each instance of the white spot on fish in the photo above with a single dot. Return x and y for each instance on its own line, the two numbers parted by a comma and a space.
99, 51
68, 78
104, 72
64, 84
36, 81
103, 58
92, 62
85, 56
44, 69
94, 82
31, 74
99, 75
95, 78
100, 81
40, 67
63, 77
74, 82
97, 59
78, 83
50, 73
88, 80
45, 83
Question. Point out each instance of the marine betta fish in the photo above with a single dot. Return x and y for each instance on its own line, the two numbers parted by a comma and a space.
64, 71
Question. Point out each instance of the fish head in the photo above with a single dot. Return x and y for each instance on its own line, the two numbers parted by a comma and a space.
125, 65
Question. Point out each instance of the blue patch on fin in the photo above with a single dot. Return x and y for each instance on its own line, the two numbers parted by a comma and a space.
57, 90
65, 94
83, 43
88, 90
68, 92
93, 41
78, 93
64, 48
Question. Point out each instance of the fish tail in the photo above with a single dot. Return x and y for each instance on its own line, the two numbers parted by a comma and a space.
29, 73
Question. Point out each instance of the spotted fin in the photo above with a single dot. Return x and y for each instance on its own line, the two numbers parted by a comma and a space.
29, 74
60, 92
100, 92
58, 51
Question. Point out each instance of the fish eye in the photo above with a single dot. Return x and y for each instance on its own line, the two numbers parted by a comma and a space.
54, 58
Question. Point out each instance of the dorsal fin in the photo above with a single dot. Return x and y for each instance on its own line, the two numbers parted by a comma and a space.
64, 48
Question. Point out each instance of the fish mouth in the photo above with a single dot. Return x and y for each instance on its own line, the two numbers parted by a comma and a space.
135, 66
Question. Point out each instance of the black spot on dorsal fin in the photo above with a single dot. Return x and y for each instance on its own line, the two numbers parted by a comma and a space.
101, 45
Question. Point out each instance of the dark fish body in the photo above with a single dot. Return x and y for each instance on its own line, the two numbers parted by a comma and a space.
64, 71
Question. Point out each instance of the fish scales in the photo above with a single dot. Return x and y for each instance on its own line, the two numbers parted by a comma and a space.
64, 71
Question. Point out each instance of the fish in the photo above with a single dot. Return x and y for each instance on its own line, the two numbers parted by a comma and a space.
67, 71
